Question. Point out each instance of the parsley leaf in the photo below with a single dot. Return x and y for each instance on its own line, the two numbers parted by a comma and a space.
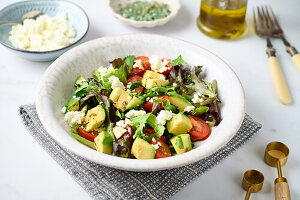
135, 85
178, 61
120, 114
166, 104
141, 121
179, 142
199, 111
129, 61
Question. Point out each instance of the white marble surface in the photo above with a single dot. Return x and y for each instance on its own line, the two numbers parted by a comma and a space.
28, 172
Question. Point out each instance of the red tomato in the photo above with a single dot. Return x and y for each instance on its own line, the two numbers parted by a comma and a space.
129, 129
200, 129
149, 131
137, 71
134, 79
148, 105
145, 63
163, 151
169, 67
87, 135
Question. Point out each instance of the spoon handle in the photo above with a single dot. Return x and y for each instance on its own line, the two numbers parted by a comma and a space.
282, 190
248, 194
8, 23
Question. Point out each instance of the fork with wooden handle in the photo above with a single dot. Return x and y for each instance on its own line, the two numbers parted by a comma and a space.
265, 29
278, 32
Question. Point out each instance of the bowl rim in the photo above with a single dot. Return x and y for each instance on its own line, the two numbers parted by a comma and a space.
51, 51
172, 14
135, 165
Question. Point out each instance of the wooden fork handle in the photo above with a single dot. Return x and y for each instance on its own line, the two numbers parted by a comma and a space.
282, 90
296, 59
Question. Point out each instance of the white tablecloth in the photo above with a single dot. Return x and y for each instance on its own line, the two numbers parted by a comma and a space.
28, 172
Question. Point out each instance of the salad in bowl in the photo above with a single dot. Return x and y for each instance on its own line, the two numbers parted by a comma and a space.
143, 107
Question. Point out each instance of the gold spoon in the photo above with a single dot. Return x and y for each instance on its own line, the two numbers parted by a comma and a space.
276, 155
252, 182
30, 15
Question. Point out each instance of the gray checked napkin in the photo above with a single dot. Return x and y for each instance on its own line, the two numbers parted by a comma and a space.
102, 182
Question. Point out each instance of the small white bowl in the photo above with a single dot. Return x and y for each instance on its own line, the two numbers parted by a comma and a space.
174, 6
56, 87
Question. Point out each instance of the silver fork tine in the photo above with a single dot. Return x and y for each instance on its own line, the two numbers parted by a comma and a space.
274, 18
266, 23
260, 20
254, 20
270, 21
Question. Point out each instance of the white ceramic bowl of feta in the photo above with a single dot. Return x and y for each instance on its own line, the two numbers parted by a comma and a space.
56, 87
65, 13
174, 7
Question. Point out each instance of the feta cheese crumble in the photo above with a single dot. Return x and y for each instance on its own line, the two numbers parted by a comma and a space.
163, 116
73, 117
197, 98
157, 64
189, 108
115, 82
120, 128
43, 34
156, 146
135, 113
64, 109
138, 64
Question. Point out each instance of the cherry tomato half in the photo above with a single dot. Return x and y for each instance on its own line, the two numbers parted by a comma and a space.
88, 135
163, 151
169, 67
145, 63
200, 129
148, 105
133, 79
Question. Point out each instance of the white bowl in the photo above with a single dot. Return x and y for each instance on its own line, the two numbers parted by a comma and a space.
174, 6
56, 87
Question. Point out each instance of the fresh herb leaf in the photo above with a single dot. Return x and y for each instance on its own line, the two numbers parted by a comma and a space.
179, 142
119, 114
178, 61
200, 111
117, 63
75, 128
95, 87
135, 85
166, 104
141, 121
129, 61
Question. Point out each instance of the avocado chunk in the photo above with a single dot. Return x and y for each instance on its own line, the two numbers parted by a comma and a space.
133, 103
179, 101
94, 118
181, 143
120, 98
84, 109
179, 124
78, 81
157, 82
153, 79
73, 104
103, 143
142, 149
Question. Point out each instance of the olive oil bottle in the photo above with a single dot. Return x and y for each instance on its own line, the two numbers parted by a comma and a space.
223, 19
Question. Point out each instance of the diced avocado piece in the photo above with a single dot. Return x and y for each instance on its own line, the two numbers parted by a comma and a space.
103, 143
73, 104
133, 103
83, 140
157, 82
120, 98
142, 149
181, 143
94, 118
150, 75
179, 101
79, 80
179, 124
115, 94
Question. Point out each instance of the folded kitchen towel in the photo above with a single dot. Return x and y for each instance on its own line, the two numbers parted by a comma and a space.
102, 182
